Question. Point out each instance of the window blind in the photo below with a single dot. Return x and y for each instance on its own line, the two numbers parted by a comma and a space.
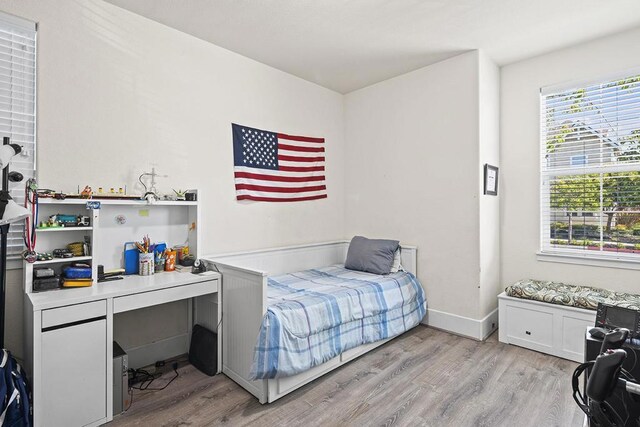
590, 170
17, 107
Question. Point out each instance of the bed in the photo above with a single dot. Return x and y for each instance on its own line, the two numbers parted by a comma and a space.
246, 299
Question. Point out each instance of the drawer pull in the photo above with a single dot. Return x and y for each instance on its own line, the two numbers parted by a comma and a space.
527, 332
76, 323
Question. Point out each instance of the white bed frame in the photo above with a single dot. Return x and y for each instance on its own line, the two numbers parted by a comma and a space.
244, 303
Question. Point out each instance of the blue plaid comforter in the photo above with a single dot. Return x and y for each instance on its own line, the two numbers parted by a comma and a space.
315, 315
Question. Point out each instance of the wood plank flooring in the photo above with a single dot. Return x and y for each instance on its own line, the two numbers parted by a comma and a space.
425, 377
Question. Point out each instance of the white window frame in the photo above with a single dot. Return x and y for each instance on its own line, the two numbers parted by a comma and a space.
568, 256
15, 28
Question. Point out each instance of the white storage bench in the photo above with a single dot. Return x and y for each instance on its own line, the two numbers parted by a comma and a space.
551, 317
549, 328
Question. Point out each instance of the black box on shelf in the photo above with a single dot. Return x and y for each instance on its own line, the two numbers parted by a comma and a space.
46, 284
43, 272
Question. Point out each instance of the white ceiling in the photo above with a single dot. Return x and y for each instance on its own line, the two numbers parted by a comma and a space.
348, 44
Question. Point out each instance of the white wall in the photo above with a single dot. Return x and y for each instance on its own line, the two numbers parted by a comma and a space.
118, 92
413, 147
519, 155
489, 206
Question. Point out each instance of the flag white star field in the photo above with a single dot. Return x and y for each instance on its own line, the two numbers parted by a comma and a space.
274, 167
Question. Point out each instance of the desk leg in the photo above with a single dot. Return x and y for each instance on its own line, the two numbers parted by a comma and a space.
203, 314
191, 318
109, 372
219, 327
35, 339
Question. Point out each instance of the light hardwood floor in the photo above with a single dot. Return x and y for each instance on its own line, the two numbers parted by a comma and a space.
425, 377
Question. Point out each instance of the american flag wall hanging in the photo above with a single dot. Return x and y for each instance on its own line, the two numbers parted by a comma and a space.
274, 167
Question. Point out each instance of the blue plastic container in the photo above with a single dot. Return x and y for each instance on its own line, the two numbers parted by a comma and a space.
77, 272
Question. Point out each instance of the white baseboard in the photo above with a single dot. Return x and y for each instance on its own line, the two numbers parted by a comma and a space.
167, 348
460, 325
489, 324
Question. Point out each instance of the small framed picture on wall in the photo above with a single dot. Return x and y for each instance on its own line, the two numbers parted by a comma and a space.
490, 180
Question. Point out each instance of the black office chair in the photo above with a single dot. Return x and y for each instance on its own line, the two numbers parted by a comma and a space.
607, 378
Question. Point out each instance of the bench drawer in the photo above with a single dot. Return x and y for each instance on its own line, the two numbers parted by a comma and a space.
530, 325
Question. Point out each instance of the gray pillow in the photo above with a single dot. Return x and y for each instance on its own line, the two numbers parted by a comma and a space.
371, 255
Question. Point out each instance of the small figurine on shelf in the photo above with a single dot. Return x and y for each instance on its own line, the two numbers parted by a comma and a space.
180, 194
83, 221
63, 220
52, 222
86, 193
43, 256
150, 197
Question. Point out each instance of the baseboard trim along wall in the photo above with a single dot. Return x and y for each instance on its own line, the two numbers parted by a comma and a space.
148, 354
460, 325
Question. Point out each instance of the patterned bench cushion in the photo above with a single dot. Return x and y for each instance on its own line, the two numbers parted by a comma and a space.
574, 296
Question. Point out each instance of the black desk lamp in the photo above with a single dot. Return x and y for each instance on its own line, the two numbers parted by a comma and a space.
10, 212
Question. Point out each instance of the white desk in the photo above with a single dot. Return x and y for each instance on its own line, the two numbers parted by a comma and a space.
69, 341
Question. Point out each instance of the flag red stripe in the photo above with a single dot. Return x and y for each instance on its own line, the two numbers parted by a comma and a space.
274, 199
300, 159
300, 138
301, 168
280, 189
297, 148
278, 178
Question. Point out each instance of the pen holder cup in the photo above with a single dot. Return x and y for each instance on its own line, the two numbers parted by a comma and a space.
159, 265
146, 264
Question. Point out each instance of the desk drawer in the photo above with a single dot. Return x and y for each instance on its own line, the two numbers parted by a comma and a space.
73, 313
161, 296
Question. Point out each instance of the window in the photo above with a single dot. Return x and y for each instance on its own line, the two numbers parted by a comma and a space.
579, 160
17, 106
590, 171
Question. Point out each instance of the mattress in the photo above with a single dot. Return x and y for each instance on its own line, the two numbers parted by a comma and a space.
315, 315
571, 295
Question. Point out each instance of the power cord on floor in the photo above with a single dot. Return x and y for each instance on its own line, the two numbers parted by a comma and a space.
130, 399
147, 378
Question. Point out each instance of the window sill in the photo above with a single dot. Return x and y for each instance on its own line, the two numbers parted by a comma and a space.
591, 260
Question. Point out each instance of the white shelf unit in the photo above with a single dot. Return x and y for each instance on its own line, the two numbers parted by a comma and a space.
48, 239
171, 222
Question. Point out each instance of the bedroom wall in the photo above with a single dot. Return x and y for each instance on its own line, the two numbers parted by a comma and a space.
489, 206
519, 155
420, 132
118, 93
